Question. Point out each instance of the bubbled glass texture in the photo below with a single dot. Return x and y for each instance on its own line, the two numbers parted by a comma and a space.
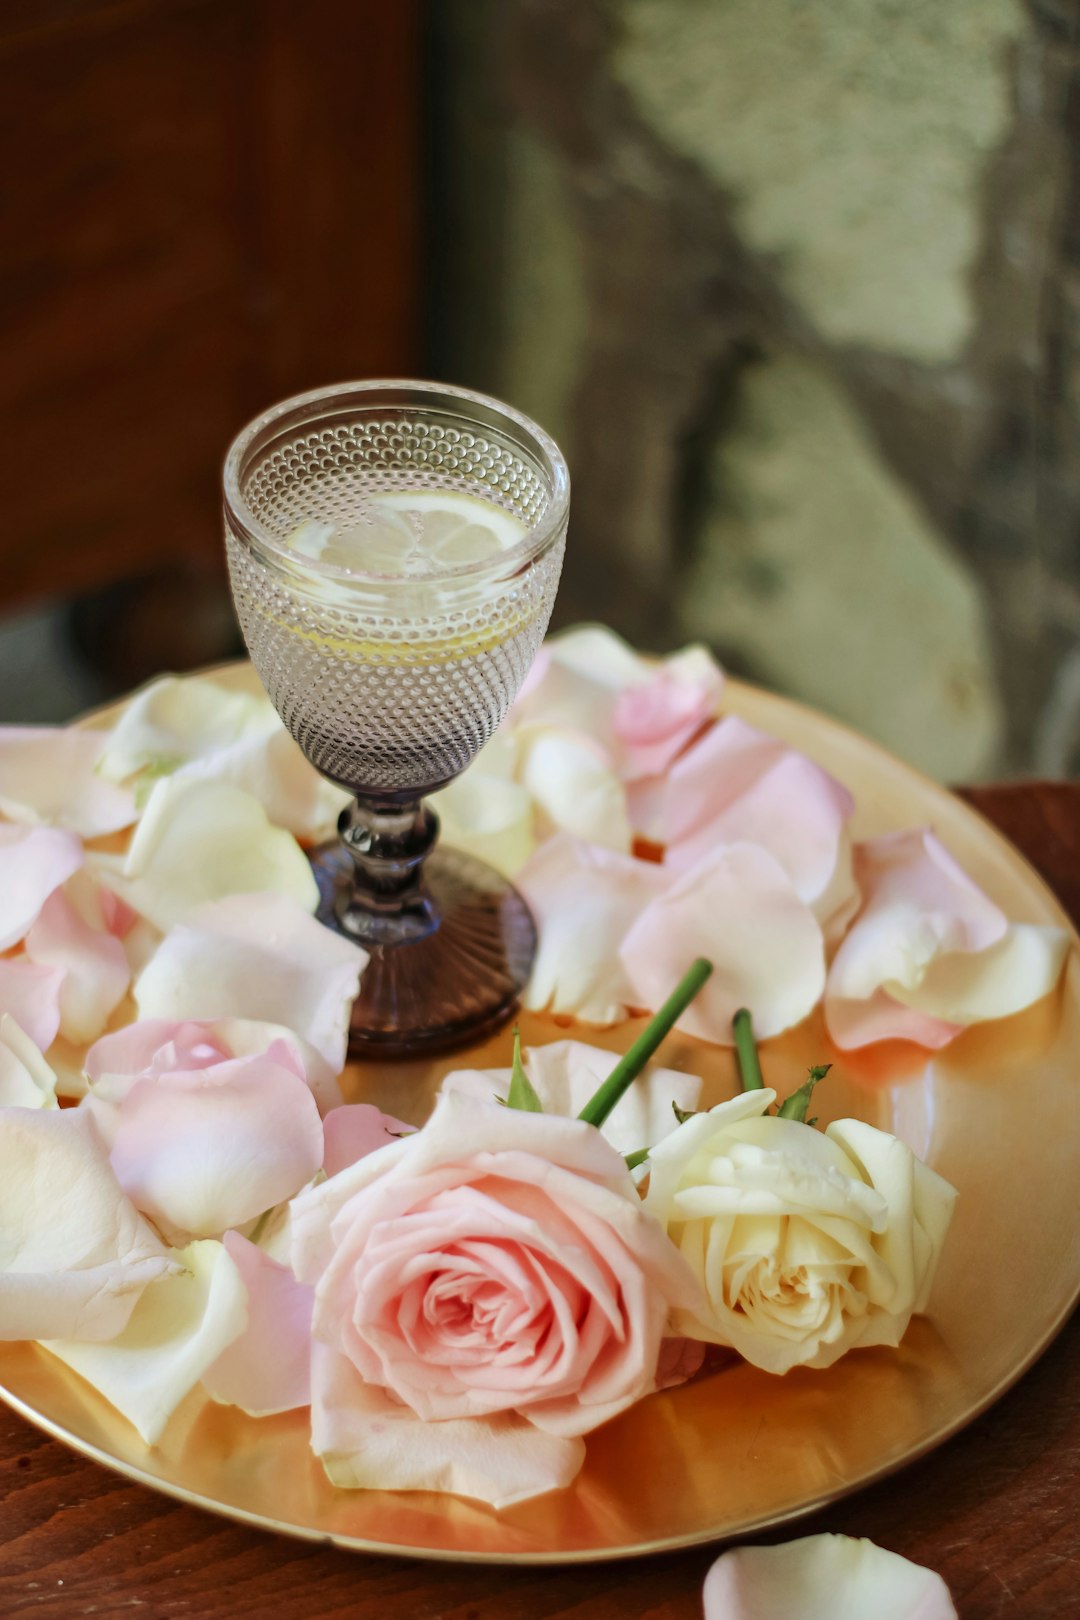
390, 687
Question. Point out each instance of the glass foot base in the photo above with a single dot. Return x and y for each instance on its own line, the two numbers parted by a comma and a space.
451, 986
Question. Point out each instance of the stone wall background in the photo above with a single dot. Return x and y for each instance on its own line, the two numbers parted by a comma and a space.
796, 284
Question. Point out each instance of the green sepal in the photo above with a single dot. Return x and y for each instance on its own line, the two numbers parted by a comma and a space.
795, 1106
522, 1093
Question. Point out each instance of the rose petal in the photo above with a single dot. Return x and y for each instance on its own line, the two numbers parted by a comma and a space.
49, 774
738, 909
575, 787
823, 1577
355, 1130
26, 1080
172, 721
258, 957
738, 785
369, 1441
176, 1333
268, 1368
209, 1149
581, 674
655, 719
929, 953
93, 962
33, 862
203, 841
275, 772
584, 900
74, 1252
489, 817
565, 1075
31, 995
680, 1360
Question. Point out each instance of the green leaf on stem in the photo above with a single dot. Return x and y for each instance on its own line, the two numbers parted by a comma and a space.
522, 1093
626, 1071
795, 1106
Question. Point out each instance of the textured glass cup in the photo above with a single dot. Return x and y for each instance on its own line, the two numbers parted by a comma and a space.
392, 681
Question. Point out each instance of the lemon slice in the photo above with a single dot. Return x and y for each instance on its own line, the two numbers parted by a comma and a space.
452, 529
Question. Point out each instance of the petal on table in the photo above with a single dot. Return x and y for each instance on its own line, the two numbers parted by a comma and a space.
738, 909
33, 862
737, 785
566, 1074
177, 1331
355, 1130
75, 1253
175, 720
579, 675
823, 1577
259, 957
26, 1080
275, 772
50, 774
656, 718
369, 1441
488, 816
575, 787
584, 900
31, 995
209, 1149
93, 962
203, 841
929, 953
268, 1368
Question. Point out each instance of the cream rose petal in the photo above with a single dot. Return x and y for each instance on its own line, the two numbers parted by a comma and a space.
268, 1368
50, 774
75, 1254
487, 816
175, 1334
566, 1074
575, 787
204, 1150
258, 957
26, 1080
369, 1441
203, 841
737, 785
34, 861
174, 720
823, 1577
31, 995
275, 772
737, 908
93, 962
585, 900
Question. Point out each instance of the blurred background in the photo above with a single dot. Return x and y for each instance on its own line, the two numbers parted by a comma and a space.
795, 284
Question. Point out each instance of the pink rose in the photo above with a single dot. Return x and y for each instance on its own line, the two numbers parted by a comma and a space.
494, 1262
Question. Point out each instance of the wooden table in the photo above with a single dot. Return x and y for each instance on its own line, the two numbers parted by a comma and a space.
996, 1511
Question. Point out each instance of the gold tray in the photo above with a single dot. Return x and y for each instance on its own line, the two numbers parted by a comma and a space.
735, 1451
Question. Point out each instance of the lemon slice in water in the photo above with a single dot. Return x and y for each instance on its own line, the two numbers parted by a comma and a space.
410, 533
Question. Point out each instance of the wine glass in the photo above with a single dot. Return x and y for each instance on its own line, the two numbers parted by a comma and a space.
394, 550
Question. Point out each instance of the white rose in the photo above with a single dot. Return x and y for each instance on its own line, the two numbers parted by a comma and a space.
807, 1243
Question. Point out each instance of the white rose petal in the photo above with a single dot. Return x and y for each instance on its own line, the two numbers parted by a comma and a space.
51, 774
177, 1331
172, 721
202, 841
575, 787
26, 1080
823, 1578
489, 817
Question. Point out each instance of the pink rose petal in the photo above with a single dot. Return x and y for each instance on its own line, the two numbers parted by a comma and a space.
584, 900
268, 1368
369, 1441
738, 909
75, 1254
204, 1150
823, 1577
33, 862
48, 774
738, 785
355, 1130
93, 962
31, 995
656, 718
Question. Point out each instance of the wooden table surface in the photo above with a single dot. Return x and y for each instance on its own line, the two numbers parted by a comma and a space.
996, 1510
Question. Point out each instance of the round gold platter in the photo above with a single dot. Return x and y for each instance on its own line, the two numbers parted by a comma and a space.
735, 1451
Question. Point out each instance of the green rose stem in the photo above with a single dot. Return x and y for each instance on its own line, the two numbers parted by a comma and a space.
626, 1071
746, 1051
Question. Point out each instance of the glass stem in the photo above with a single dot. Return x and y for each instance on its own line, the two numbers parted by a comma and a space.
388, 843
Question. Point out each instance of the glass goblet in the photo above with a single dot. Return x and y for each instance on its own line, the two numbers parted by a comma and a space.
394, 550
